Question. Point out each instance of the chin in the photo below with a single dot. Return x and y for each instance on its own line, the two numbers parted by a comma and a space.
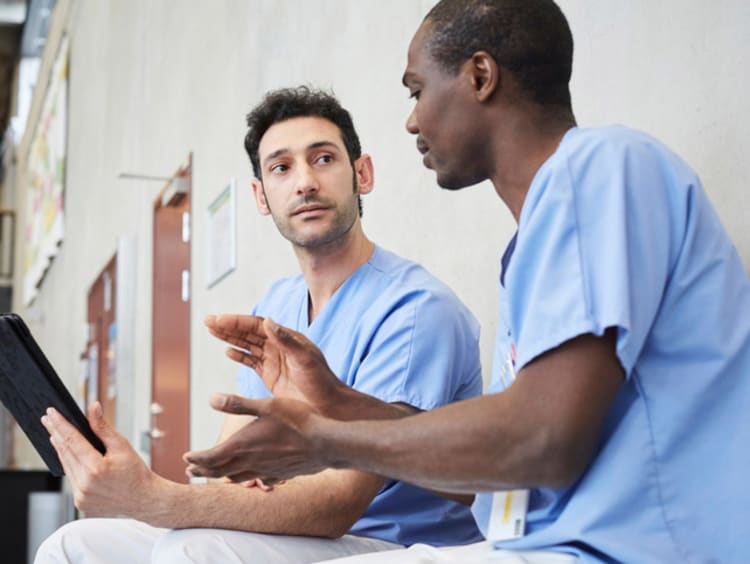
454, 183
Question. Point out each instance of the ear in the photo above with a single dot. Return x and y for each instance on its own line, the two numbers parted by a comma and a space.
485, 75
365, 174
260, 197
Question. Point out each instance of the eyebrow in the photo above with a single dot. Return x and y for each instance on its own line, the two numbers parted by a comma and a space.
284, 150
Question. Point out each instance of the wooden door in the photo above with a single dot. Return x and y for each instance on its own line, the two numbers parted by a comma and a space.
170, 389
100, 349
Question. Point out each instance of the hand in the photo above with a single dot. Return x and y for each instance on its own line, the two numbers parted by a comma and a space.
279, 444
290, 365
256, 483
116, 483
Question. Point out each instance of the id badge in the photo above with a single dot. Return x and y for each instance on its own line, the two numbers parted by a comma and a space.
508, 515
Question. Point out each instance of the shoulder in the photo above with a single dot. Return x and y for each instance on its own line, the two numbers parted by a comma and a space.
614, 138
412, 290
401, 275
414, 330
616, 148
280, 291
609, 165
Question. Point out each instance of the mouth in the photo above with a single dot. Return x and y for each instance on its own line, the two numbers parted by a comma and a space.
425, 152
309, 209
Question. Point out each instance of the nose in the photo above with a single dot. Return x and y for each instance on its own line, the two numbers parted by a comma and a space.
411, 123
306, 181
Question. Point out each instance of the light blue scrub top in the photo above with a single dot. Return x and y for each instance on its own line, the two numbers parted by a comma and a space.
616, 231
393, 331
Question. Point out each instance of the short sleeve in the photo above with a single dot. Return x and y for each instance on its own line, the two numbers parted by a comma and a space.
425, 353
595, 247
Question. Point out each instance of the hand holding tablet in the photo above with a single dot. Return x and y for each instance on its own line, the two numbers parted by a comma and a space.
29, 385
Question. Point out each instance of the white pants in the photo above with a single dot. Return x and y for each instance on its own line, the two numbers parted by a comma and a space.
478, 553
114, 541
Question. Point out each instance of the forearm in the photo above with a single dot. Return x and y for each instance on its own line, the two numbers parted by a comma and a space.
476, 445
321, 505
542, 431
431, 451
348, 404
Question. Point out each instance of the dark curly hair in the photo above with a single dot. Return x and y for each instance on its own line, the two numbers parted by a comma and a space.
303, 101
530, 38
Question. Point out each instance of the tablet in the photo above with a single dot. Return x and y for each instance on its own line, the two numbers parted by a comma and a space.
29, 385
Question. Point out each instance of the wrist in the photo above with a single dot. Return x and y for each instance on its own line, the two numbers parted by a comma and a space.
348, 404
322, 433
160, 498
337, 402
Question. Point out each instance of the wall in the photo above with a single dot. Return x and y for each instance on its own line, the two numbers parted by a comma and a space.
152, 81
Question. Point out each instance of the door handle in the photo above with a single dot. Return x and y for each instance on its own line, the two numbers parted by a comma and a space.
155, 434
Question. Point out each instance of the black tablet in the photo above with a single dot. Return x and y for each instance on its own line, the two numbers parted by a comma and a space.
29, 385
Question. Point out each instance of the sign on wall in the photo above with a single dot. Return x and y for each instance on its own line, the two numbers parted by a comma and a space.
44, 225
221, 239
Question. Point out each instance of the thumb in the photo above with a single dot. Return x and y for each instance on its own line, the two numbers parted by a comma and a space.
99, 424
230, 403
282, 337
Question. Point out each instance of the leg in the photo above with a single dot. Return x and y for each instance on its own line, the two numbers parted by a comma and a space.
477, 553
238, 547
93, 541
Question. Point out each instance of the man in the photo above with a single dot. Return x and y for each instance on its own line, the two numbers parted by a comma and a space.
386, 326
623, 345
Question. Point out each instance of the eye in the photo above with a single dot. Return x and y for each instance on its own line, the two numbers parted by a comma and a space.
324, 159
279, 168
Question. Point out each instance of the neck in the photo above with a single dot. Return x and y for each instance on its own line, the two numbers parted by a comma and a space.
519, 151
327, 267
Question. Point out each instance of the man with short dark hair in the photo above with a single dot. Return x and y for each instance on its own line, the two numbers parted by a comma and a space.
387, 327
623, 346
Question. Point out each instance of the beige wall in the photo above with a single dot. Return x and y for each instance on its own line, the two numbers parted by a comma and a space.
152, 80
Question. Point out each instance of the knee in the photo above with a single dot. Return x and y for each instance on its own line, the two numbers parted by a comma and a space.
206, 546
184, 545
57, 547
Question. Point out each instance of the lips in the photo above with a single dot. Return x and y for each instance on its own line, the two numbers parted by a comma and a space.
309, 208
422, 146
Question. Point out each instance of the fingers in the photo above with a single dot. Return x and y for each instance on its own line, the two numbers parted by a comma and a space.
254, 483
66, 436
236, 340
100, 426
209, 463
282, 336
233, 322
252, 359
262, 485
297, 348
73, 450
236, 329
230, 403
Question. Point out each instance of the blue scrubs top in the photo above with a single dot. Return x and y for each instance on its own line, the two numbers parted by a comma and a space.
616, 231
393, 331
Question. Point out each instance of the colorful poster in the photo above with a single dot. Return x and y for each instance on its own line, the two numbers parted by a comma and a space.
44, 219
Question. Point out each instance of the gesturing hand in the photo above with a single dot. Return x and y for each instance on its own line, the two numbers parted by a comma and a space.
279, 444
290, 365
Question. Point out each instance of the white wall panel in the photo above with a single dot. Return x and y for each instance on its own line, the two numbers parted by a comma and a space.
153, 80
